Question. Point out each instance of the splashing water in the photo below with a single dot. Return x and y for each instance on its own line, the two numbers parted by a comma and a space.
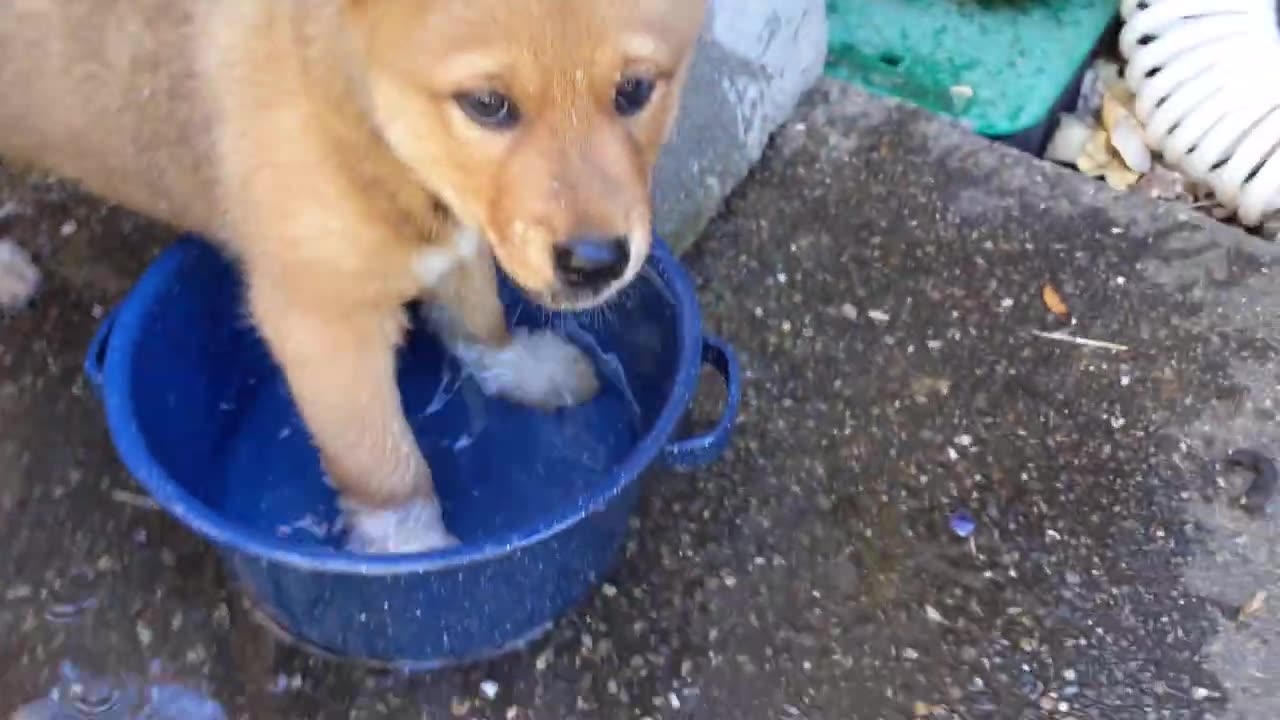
501, 470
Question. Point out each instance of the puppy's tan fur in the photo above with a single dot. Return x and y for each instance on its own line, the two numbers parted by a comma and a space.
320, 141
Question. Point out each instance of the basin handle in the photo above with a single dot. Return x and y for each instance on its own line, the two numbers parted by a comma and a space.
702, 450
95, 360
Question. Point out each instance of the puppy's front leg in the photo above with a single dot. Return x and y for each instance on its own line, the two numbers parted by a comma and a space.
536, 368
339, 360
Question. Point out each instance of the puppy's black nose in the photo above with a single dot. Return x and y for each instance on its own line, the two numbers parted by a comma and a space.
592, 263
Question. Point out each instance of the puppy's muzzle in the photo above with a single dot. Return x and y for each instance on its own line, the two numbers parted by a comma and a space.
590, 265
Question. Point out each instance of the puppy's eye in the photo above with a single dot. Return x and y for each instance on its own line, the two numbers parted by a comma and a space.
489, 108
632, 95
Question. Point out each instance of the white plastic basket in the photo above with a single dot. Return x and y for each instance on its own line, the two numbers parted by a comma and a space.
1206, 75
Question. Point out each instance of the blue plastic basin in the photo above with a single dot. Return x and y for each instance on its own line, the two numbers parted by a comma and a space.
201, 416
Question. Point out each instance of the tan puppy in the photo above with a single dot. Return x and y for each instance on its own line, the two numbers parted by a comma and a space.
353, 155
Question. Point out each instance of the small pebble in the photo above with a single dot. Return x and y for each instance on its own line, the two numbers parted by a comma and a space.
19, 276
1253, 606
489, 689
1271, 226
962, 523
144, 635
18, 592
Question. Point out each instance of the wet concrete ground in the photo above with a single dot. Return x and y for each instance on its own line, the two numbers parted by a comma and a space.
880, 275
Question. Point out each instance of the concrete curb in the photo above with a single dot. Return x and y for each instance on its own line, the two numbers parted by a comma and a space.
755, 61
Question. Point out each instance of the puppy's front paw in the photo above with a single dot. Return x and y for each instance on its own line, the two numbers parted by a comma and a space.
19, 277
538, 368
414, 527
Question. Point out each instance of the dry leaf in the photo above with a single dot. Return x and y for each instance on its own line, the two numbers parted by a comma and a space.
1271, 226
1116, 94
1102, 76
1099, 147
1127, 139
1125, 133
1069, 140
1113, 108
1091, 167
1164, 183
1253, 606
1120, 176
1111, 79
1054, 302
1097, 156
1220, 211
925, 710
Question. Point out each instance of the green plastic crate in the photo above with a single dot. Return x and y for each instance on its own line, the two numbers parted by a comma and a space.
1018, 57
